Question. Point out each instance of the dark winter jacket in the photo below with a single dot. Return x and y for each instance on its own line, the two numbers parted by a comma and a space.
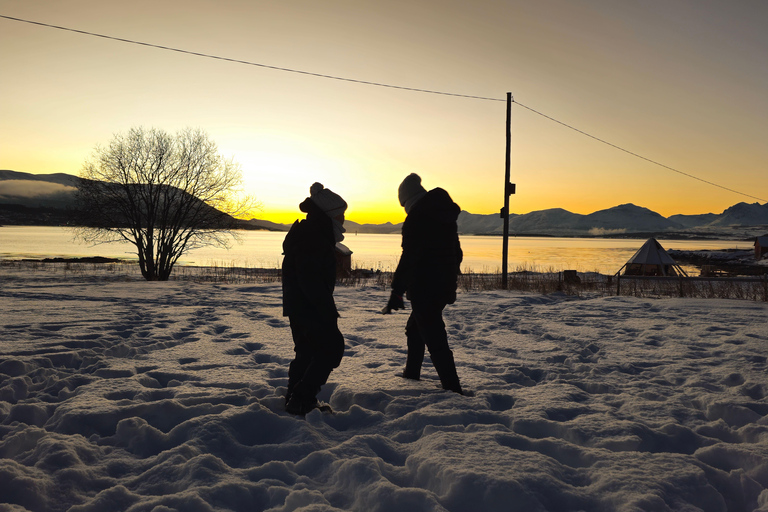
432, 255
309, 266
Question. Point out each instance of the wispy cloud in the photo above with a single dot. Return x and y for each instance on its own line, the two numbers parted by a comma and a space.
603, 231
31, 189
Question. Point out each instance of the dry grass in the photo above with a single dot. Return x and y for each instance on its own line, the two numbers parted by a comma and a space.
529, 280
744, 288
19, 268
226, 274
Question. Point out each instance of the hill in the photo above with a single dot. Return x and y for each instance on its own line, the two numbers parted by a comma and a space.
42, 199
624, 220
37, 190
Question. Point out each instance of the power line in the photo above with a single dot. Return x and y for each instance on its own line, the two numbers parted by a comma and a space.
376, 84
635, 154
249, 63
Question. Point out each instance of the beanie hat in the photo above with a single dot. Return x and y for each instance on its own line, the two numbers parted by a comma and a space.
331, 203
410, 191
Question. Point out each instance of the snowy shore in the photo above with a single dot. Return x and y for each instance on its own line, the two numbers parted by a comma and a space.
118, 394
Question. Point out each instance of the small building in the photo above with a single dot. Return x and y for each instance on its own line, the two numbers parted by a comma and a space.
343, 260
761, 247
652, 260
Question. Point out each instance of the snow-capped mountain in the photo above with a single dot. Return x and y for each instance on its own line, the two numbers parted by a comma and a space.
692, 221
556, 221
33, 193
743, 214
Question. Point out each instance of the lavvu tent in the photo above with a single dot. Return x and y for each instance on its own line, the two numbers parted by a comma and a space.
652, 260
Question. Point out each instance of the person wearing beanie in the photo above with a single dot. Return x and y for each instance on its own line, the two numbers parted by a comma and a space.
427, 275
332, 205
410, 191
309, 278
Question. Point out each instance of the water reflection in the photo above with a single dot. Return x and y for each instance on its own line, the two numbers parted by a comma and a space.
263, 249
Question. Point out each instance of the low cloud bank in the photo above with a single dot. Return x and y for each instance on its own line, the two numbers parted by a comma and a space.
603, 231
30, 189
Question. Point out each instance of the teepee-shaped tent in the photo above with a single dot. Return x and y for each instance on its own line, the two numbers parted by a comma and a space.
651, 260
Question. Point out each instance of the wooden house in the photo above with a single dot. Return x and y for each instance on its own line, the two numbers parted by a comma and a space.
343, 260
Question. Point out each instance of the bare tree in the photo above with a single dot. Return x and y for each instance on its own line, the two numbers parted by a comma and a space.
165, 194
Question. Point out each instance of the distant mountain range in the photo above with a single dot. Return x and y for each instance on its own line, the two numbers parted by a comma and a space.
740, 220
30, 199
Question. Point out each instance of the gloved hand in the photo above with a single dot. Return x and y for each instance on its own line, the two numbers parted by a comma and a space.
395, 302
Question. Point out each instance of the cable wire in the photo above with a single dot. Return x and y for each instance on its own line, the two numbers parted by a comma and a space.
635, 154
376, 84
249, 63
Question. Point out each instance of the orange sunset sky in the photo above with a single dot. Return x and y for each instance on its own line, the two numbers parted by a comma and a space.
680, 82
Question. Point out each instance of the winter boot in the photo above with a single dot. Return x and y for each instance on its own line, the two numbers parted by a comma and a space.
300, 405
412, 373
446, 370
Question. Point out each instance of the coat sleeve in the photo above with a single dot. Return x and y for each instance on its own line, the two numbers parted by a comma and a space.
406, 267
459, 255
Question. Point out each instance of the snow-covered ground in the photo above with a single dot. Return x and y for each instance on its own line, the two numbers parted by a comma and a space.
118, 394
742, 257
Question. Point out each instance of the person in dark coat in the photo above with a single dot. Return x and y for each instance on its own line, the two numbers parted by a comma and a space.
427, 274
309, 278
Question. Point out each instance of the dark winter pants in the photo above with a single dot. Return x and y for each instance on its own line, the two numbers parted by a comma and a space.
319, 347
425, 327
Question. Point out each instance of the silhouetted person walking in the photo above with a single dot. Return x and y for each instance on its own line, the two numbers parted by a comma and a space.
309, 278
427, 274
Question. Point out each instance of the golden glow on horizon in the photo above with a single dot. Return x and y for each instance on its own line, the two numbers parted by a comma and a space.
359, 217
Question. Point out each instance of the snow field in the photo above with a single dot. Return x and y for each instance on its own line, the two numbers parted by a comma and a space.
117, 394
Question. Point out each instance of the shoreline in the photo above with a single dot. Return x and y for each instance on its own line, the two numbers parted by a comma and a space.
734, 262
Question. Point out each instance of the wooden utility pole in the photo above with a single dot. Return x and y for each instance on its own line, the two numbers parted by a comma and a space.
509, 189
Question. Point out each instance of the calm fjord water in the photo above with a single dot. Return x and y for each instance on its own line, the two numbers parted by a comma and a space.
379, 252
